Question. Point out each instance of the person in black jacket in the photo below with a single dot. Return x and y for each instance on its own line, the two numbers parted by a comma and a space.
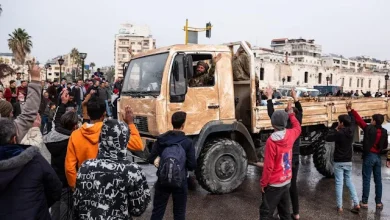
343, 138
374, 141
111, 187
57, 143
179, 195
295, 160
28, 185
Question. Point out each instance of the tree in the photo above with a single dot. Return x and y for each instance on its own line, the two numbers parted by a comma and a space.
1, 9
75, 56
20, 44
92, 65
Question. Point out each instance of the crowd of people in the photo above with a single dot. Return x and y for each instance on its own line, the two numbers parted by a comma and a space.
54, 168
281, 161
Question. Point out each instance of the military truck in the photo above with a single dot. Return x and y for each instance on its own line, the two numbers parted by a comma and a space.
227, 127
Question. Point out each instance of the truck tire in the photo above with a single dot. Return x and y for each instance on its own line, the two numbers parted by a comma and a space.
222, 166
323, 158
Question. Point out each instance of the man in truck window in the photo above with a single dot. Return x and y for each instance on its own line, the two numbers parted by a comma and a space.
203, 76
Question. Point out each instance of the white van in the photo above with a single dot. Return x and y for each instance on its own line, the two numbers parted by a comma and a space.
301, 92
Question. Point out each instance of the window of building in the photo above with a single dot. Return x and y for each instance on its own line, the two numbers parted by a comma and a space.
139, 43
288, 78
331, 78
369, 83
357, 83
319, 78
342, 81
361, 83
379, 84
306, 77
132, 43
350, 82
139, 51
261, 73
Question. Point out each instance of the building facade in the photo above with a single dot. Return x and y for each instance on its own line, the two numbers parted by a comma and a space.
301, 50
138, 38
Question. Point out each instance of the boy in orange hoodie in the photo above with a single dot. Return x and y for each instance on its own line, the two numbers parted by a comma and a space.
83, 143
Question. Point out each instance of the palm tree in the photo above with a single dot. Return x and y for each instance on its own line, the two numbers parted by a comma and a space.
1, 9
92, 65
20, 44
75, 56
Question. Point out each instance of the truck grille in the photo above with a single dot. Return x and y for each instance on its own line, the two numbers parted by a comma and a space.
141, 123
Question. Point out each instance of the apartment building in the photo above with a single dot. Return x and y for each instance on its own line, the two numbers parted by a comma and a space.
136, 37
302, 50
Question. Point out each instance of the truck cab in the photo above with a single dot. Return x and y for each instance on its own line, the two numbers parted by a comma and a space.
156, 86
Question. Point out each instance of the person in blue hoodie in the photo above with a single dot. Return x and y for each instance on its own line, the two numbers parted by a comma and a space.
28, 185
162, 193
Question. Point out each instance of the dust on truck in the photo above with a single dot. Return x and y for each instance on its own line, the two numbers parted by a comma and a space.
227, 128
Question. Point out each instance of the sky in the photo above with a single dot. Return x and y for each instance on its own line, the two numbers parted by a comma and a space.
347, 27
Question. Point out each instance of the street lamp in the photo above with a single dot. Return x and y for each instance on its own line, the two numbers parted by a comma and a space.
386, 78
60, 61
327, 80
82, 57
283, 80
47, 66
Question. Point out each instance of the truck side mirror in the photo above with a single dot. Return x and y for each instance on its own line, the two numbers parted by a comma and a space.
175, 71
188, 68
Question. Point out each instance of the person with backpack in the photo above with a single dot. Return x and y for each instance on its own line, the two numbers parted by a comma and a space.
374, 141
172, 149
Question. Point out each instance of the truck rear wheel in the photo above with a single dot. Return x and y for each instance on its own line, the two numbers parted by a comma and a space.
323, 158
222, 166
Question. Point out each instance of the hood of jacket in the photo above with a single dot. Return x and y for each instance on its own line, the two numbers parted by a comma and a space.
113, 140
279, 138
91, 132
59, 134
171, 137
12, 160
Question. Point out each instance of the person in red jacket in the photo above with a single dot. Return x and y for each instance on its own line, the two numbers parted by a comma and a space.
10, 94
277, 170
374, 141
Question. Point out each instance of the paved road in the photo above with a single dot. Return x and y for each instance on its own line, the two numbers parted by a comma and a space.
317, 197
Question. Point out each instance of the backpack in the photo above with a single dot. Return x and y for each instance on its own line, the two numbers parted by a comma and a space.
171, 171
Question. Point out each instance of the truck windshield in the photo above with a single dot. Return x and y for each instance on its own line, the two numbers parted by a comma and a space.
144, 75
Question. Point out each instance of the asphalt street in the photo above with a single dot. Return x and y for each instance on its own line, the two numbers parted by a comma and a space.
317, 197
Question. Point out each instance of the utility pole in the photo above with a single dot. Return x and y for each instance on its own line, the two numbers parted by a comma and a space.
193, 31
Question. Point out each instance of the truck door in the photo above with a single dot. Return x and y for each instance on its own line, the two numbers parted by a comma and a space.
200, 102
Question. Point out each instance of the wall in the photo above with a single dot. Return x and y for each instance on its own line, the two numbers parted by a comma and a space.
274, 72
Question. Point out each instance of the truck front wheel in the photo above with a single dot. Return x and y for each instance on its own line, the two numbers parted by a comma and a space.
222, 166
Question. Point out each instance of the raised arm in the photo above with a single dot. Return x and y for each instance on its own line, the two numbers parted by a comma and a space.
353, 120
270, 105
135, 142
25, 120
359, 120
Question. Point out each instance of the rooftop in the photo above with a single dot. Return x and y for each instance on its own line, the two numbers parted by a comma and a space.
7, 54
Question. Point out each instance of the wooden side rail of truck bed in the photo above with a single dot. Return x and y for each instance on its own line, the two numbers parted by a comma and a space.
326, 112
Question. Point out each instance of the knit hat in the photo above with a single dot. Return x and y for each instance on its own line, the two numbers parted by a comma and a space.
279, 119
5, 108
